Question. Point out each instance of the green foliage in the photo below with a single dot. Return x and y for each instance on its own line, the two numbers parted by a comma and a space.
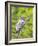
16, 13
